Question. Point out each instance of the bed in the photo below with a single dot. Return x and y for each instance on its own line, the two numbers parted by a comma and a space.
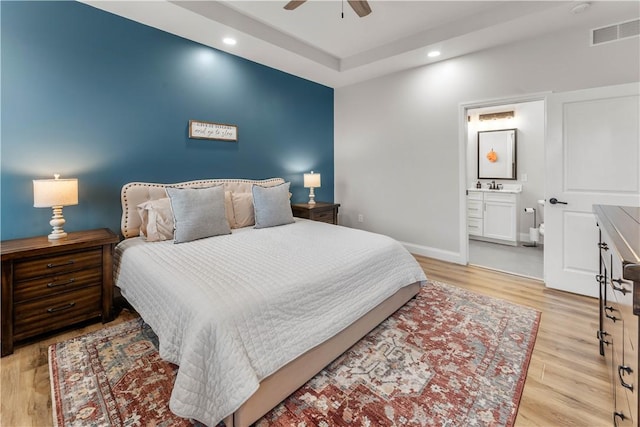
250, 316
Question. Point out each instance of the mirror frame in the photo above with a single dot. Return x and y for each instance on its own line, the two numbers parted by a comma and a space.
503, 142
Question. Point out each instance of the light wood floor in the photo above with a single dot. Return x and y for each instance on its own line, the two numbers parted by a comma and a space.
567, 383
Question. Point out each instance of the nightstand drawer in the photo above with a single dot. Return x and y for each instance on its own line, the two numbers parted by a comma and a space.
69, 261
326, 216
47, 314
50, 285
321, 212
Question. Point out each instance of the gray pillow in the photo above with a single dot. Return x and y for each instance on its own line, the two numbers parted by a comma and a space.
198, 212
271, 205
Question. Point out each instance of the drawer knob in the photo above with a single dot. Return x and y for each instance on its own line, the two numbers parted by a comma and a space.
622, 369
50, 265
61, 308
55, 285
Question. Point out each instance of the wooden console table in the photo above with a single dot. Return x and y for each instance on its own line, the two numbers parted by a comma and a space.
619, 282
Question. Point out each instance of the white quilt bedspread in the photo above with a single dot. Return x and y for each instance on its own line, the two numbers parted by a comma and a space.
231, 310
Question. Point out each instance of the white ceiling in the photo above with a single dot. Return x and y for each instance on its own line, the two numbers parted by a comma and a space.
316, 43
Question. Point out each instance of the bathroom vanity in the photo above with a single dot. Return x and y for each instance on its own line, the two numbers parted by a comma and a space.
492, 215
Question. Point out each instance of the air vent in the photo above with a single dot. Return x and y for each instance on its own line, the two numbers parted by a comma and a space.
615, 32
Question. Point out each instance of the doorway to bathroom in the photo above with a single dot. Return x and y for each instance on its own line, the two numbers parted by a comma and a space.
505, 196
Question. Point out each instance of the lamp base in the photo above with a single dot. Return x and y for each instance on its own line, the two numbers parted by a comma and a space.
57, 236
312, 197
57, 221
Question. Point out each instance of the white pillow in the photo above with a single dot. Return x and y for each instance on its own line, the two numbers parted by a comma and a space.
198, 213
242, 210
228, 209
157, 220
271, 205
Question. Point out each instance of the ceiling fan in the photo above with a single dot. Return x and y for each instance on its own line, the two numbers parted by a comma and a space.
360, 7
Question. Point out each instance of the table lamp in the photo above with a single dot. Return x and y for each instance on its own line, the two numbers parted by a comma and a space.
55, 193
311, 181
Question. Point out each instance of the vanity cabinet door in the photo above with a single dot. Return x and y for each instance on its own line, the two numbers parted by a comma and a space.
500, 220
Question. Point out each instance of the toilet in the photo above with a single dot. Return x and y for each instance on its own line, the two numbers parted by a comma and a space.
541, 228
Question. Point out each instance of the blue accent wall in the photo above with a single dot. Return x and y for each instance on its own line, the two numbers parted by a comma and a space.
95, 96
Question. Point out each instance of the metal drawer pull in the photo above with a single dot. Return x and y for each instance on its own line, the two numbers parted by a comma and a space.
619, 288
54, 284
61, 265
64, 307
601, 337
609, 308
627, 370
618, 415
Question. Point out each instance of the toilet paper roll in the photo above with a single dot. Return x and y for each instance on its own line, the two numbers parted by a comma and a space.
529, 210
534, 234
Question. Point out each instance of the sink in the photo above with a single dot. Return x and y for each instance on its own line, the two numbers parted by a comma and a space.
506, 188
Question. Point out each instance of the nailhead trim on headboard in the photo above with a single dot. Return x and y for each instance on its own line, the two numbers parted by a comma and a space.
130, 222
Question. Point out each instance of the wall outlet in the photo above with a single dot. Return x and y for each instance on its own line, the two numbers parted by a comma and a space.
360, 218
524, 177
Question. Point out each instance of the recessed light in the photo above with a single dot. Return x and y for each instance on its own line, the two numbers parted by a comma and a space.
433, 53
229, 41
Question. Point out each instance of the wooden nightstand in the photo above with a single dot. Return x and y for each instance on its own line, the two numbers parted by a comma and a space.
321, 211
47, 285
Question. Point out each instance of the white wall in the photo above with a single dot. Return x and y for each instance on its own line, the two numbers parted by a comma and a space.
396, 137
530, 122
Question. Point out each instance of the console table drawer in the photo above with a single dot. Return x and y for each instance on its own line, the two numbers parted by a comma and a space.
69, 261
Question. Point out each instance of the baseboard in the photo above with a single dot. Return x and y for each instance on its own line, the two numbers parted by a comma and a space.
524, 238
440, 254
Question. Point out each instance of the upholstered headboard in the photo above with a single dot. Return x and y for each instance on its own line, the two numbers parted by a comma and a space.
135, 193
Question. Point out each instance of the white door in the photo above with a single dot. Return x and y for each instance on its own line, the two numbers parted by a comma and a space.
592, 153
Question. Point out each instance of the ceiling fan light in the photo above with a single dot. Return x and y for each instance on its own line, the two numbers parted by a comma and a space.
433, 53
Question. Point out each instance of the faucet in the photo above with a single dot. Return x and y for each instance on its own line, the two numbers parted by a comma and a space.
493, 185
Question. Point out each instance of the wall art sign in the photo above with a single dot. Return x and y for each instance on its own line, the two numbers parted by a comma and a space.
217, 131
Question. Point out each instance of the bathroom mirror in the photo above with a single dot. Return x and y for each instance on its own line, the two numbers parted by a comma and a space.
497, 154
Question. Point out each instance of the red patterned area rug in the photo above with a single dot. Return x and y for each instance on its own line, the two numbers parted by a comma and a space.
449, 357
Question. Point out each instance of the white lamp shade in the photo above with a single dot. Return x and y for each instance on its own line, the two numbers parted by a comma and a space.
55, 192
311, 180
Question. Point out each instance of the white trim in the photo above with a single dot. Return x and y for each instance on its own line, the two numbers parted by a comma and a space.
430, 252
462, 184
462, 154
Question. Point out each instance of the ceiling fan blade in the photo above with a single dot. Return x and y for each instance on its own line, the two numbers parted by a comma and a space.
360, 7
293, 4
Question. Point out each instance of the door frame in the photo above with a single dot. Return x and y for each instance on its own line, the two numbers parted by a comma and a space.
463, 109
